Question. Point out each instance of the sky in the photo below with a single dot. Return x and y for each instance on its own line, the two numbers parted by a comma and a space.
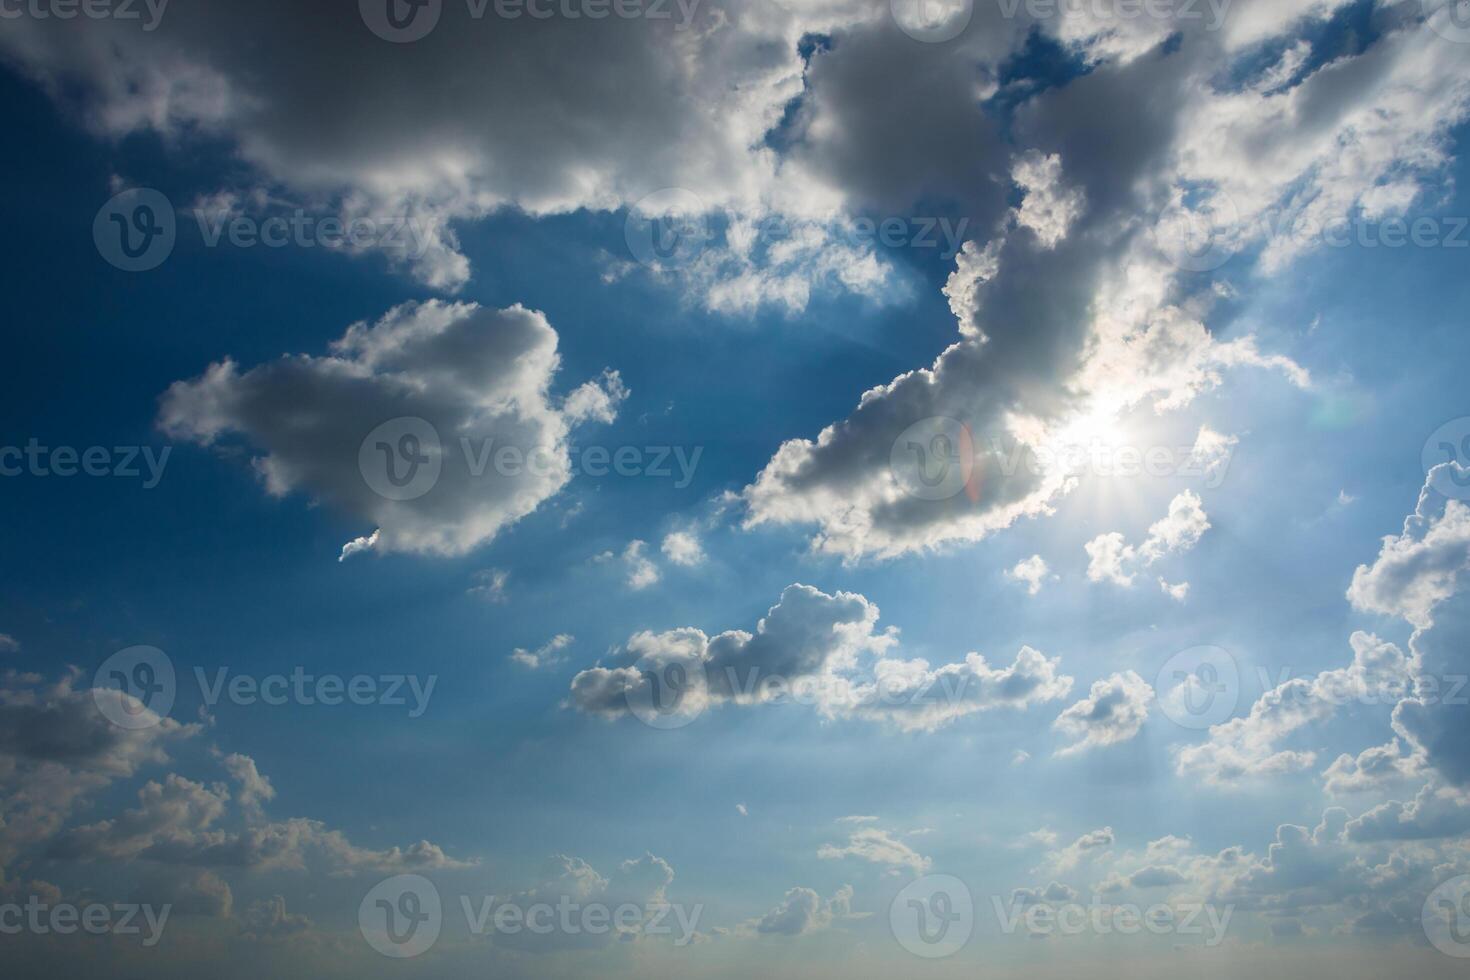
808, 488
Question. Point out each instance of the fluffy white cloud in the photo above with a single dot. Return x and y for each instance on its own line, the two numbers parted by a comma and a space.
803, 911
818, 649
1112, 559
1248, 746
1032, 571
683, 548
1114, 711
436, 424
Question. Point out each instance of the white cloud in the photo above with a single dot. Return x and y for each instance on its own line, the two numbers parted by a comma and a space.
877, 847
546, 655
1114, 711
473, 385
803, 911
1032, 571
683, 548
1112, 559
490, 585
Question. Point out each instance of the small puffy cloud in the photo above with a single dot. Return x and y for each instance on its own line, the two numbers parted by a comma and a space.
683, 548
741, 809
8, 643
545, 655
1031, 571
268, 920
1114, 711
642, 572
1054, 893
1112, 559
876, 846
803, 911
435, 424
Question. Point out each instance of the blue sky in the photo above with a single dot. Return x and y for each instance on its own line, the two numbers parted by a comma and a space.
1293, 381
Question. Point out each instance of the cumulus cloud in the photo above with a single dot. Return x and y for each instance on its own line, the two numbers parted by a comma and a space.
819, 649
1032, 571
1114, 711
1112, 559
435, 424
683, 548
803, 911
1249, 746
